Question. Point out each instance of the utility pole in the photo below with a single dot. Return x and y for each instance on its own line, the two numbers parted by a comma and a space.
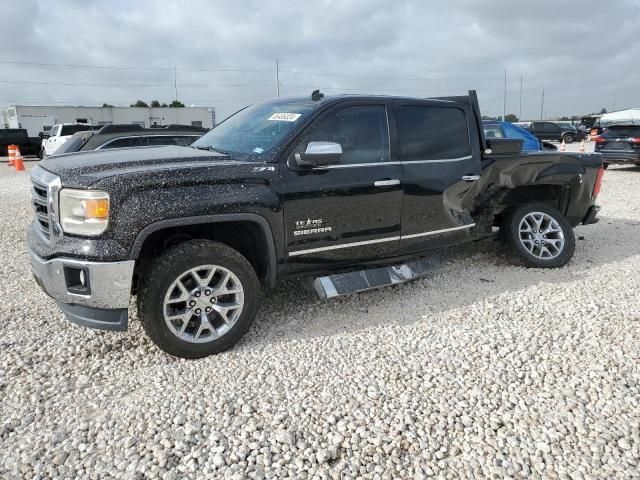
504, 102
520, 113
175, 82
542, 106
277, 78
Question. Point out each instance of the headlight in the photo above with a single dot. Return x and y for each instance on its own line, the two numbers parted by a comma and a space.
84, 212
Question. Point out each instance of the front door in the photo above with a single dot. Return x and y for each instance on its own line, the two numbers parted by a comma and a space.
349, 212
440, 155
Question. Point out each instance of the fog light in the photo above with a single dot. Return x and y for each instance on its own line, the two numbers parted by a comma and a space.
77, 280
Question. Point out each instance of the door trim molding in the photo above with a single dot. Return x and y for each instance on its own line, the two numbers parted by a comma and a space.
435, 232
378, 240
343, 245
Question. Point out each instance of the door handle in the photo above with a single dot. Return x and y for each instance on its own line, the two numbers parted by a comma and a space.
471, 178
387, 183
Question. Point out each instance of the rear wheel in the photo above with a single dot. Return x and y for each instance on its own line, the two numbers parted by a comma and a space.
539, 236
198, 298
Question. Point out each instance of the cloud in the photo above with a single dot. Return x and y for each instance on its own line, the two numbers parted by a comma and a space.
584, 55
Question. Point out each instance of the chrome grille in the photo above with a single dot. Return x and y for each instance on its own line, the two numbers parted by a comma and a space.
44, 193
40, 200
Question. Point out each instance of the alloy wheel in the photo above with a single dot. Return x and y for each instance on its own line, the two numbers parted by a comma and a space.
541, 235
203, 303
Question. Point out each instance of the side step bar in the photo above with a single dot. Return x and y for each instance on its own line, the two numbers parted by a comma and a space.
359, 281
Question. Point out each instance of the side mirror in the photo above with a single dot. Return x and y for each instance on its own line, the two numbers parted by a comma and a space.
319, 154
43, 135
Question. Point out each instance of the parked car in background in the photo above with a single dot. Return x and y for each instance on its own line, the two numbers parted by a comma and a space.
121, 136
497, 129
19, 137
555, 131
619, 144
58, 135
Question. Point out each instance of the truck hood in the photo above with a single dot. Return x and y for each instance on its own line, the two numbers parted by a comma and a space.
86, 168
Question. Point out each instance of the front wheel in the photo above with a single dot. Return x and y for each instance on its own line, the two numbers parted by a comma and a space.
198, 298
568, 138
539, 236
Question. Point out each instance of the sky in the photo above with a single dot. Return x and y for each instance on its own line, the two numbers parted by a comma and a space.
584, 55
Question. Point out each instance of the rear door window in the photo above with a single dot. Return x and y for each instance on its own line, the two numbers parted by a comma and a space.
433, 133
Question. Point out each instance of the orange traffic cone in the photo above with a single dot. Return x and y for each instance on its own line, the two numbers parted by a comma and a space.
12, 154
18, 161
582, 146
563, 147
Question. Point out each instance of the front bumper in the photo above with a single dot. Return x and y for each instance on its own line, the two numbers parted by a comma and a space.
91, 294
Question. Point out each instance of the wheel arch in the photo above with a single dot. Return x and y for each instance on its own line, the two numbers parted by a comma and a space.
550, 194
248, 233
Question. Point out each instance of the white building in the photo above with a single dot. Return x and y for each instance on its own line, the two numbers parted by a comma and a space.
630, 115
37, 119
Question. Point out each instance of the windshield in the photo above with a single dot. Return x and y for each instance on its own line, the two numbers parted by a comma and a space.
74, 144
251, 133
71, 129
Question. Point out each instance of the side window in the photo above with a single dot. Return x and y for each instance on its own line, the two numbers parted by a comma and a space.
122, 143
551, 127
433, 133
162, 140
362, 131
493, 131
186, 141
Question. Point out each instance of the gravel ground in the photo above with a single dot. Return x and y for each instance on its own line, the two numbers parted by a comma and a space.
483, 370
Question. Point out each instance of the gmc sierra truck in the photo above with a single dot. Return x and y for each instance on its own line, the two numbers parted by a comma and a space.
352, 191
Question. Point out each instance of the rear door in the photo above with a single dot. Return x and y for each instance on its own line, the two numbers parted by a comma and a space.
440, 153
349, 212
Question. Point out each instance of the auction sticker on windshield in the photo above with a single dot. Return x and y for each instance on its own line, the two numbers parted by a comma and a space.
285, 117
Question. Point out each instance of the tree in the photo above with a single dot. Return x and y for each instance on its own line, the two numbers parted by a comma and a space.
164, 105
176, 104
511, 117
155, 103
140, 103
106, 105
603, 111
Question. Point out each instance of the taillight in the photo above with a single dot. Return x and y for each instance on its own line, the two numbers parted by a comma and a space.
599, 139
598, 184
635, 140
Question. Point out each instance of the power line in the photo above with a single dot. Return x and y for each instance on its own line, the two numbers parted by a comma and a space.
172, 85
387, 78
113, 67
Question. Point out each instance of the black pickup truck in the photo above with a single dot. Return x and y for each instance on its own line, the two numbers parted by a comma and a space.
309, 187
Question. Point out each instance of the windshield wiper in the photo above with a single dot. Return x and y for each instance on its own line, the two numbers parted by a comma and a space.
211, 149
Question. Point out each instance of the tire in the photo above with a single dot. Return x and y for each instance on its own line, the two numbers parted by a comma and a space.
560, 245
177, 267
568, 138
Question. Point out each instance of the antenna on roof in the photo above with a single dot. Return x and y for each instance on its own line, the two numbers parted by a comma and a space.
316, 95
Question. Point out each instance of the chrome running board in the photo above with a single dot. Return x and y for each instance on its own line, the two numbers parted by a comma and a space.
359, 281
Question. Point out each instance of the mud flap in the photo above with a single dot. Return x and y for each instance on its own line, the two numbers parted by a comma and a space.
351, 282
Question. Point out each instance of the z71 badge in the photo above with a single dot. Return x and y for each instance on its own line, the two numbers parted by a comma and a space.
309, 227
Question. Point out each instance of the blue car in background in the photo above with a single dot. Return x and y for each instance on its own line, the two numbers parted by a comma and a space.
496, 129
